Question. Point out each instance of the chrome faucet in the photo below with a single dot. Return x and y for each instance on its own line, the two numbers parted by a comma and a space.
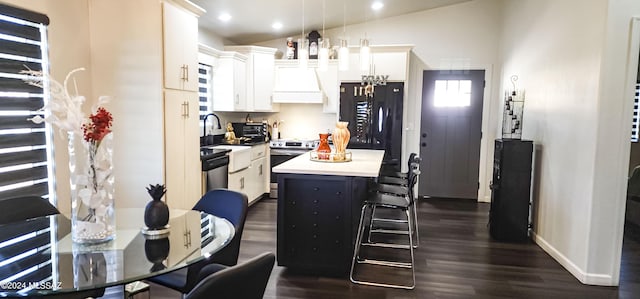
204, 124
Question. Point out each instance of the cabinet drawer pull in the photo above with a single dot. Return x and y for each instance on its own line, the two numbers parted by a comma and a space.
315, 212
316, 188
315, 201
338, 193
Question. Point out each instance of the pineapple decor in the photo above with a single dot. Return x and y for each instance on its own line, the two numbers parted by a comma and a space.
156, 214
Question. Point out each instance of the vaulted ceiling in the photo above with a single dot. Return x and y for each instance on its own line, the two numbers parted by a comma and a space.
251, 20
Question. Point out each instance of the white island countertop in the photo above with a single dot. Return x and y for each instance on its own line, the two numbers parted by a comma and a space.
364, 163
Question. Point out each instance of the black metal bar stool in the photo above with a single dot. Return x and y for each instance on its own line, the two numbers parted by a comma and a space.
395, 184
400, 202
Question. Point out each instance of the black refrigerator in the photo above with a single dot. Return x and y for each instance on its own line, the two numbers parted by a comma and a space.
374, 114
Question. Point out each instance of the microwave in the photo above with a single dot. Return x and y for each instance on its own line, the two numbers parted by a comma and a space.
253, 131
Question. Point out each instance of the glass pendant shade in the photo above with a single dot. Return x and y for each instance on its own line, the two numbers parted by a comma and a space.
303, 52
365, 55
323, 55
343, 56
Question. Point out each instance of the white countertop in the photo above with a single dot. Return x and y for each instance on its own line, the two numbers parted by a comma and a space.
365, 163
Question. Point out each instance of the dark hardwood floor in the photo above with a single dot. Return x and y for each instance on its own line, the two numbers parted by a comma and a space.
456, 259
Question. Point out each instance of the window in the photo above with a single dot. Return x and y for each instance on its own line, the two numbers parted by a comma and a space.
24, 150
636, 120
204, 89
452, 93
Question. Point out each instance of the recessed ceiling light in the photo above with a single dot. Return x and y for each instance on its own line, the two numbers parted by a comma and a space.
377, 5
225, 17
276, 25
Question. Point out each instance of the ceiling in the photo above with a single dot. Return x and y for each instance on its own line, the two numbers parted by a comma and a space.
251, 20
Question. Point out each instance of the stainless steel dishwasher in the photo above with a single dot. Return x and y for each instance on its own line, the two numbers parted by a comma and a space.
215, 166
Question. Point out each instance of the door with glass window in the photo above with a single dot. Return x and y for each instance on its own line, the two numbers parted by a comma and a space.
450, 133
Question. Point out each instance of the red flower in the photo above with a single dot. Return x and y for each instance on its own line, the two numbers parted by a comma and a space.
98, 126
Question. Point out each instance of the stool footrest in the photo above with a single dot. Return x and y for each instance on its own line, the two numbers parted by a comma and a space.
385, 263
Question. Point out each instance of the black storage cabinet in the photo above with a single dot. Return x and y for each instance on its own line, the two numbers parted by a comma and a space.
511, 190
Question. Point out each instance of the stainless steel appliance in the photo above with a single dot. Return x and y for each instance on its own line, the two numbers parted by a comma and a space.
215, 165
375, 118
283, 150
254, 131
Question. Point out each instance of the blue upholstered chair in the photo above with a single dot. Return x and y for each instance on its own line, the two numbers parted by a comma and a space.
223, 203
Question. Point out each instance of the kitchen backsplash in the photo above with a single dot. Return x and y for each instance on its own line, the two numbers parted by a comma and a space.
302, 121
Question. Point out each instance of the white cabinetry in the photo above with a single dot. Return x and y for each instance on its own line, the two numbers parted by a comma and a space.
251, 175
229, 82
385, 60
259, 76
258, 172
180, 43
182, 158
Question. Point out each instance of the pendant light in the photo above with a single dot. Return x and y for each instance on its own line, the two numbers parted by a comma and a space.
303, 46
365, 51
343, 53
365, 54
323, 53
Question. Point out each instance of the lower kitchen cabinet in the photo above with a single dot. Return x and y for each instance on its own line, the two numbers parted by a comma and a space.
317, 221
252, 179
238, 181
257, 173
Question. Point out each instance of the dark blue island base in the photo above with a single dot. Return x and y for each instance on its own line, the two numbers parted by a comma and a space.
317, 221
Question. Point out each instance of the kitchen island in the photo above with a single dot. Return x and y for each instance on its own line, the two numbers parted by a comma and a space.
318, 210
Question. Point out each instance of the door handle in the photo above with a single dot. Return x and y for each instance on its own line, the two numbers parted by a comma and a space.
260, 169
242, 183
186, 72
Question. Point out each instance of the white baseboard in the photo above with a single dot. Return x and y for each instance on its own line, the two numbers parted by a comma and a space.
582, 276
484, 199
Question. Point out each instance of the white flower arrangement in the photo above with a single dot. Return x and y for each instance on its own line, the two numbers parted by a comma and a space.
63, 109
90, 163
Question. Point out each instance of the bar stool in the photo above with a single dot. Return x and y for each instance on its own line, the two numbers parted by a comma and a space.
395, 185
392, 201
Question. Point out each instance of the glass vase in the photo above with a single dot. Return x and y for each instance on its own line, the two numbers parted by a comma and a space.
341, 136
92, 188
324, 150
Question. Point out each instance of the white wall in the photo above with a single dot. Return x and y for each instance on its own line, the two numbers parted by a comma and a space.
618, 74
127, 64
572, 66
68, 49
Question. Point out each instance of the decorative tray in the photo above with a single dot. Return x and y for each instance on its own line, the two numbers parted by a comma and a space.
332, 157
155, 233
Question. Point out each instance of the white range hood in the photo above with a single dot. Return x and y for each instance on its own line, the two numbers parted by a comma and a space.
296, 85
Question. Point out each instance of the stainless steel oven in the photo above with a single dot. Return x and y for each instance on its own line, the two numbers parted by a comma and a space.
284, 150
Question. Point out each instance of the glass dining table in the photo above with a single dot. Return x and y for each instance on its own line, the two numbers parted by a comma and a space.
38, 257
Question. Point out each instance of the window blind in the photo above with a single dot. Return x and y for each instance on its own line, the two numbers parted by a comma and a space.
636, 120
204, 89
25, 253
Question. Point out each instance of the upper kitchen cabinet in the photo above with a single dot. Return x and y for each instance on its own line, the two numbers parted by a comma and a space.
180, 44
259, 77
229, 82
390, 60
